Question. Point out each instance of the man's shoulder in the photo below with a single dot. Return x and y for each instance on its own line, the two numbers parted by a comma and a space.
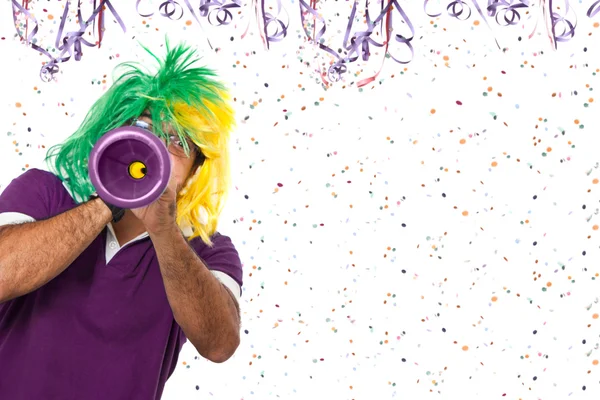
40, 175
36, 193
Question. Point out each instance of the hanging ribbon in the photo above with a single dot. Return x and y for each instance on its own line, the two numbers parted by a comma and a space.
358, 46
554, 18
268, 19
557, 18
361, 40
27, 19
260, 31
506, 9
265, 19
219, 13
100, 24
221, 9
456, 8
71, 43
338, 68
594, 9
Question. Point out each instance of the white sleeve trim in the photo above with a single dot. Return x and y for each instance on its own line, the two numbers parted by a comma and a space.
230, 283
9, 218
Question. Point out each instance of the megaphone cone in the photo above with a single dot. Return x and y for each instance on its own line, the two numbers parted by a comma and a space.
130, 167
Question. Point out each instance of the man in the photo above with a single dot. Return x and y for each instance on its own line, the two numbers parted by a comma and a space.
94, 303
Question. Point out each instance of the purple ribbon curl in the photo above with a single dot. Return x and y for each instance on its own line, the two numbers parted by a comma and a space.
71, 43
457, 7
557, 18
219, 12
594, 9
219, 8
358, 46
508, 10
268, 19
336, 70
171, 7
363, 39
495, 8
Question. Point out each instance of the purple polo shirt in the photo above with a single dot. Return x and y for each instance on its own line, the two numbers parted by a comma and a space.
96, 331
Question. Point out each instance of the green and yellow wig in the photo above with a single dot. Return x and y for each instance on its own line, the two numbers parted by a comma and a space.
189, 99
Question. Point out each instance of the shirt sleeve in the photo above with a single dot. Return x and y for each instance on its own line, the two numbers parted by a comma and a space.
222, 258
33, 193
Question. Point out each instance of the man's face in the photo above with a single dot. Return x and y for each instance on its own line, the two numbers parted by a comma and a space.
183, 167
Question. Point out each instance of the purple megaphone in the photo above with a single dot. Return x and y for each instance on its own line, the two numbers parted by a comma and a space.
130, 167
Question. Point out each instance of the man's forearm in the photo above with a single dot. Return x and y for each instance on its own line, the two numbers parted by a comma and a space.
32, 254
201, 305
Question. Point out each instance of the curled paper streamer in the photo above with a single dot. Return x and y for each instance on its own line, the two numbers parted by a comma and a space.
506, 9
219, 8
594, 9
168, 9
268, 19
219, 13
207, 8
359, 43
457, 7
555, 18
358, 46
363, 39
338, 68
71, 43
100, 24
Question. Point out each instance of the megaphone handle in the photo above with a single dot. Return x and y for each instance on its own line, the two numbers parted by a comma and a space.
116, 211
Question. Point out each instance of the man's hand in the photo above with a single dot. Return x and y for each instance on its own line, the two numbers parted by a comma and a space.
159, 215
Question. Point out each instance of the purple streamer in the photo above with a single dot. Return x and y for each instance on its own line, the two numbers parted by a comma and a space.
212, 10
594, 9
268, 19
357, 44
506, 9
485, 19
71, 43
453, 12
399, 38
336, 70
219, 8
164, 9
556, 18
457, 14
137, 9
360, 41
27, 16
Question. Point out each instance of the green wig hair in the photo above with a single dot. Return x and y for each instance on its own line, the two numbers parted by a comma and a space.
188, 98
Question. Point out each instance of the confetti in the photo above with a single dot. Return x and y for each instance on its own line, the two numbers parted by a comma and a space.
384, 253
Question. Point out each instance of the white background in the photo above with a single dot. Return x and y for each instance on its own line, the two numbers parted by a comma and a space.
354, 309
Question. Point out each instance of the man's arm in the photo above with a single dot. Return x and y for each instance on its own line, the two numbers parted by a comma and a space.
32, 254
202, 306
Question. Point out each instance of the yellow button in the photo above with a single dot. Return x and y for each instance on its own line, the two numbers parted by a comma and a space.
137, 170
